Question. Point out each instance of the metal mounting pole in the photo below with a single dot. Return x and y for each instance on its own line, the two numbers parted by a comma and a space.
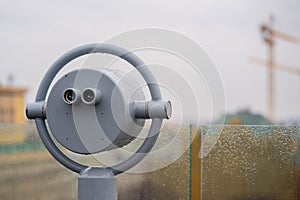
97, 184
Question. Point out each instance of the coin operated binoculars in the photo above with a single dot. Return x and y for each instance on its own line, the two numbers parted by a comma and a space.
90, 111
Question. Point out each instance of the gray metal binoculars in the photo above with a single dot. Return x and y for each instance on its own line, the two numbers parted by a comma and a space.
90, 111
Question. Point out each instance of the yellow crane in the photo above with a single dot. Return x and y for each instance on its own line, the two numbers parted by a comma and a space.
269, 34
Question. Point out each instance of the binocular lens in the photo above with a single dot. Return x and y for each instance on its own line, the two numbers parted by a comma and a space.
88, 95
69, 96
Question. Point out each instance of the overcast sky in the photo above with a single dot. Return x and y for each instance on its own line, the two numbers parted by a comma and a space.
34, 33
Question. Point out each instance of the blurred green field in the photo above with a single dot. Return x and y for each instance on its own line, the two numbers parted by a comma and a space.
27, 171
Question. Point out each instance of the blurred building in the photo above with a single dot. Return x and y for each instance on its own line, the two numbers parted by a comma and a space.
245, 117
12, 115
12, 104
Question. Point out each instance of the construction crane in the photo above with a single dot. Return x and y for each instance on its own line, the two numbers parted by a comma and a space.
269, 34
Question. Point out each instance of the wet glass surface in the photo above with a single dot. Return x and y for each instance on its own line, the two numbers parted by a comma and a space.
250, 162
242, 162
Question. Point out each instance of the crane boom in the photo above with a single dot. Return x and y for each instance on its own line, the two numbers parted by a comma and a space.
269, 34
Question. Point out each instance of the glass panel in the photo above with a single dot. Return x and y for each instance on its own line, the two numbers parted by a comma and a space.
169, 182
27, 171
250, 162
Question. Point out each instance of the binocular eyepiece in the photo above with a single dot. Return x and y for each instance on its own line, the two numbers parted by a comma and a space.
89, 96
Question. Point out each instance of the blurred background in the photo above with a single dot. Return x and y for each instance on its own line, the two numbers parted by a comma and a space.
255, 46
33, 34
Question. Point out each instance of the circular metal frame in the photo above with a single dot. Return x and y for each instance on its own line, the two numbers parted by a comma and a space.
134, 61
